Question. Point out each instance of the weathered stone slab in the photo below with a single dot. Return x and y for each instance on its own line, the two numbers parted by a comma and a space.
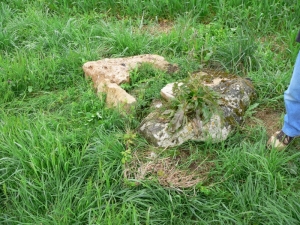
235, 93
115, 95
115, 71
167, 91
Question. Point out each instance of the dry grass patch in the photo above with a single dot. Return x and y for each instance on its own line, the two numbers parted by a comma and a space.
168, 171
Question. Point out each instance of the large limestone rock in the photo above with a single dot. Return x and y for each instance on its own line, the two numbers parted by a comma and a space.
108, 74
235, 96
115, 95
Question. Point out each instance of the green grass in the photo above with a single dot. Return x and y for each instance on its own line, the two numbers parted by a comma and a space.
61, 148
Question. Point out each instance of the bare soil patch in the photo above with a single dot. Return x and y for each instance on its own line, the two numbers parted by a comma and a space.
163, 26
268, 118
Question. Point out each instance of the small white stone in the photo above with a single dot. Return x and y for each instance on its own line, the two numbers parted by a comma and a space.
153, 155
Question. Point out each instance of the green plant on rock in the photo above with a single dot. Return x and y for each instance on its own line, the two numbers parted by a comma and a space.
193, 101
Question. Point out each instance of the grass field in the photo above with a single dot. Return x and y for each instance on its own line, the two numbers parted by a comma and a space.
63, 153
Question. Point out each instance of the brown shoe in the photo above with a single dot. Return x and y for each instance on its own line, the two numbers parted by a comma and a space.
279, 140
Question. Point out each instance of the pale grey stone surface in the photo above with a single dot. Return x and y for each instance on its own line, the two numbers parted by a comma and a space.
235, 96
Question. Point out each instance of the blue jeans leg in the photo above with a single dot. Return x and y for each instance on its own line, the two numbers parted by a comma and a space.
291, 126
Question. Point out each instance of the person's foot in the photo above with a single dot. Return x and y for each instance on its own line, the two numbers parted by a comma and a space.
279, 140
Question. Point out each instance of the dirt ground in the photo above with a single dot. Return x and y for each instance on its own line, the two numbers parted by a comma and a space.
163, 26
268, 118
